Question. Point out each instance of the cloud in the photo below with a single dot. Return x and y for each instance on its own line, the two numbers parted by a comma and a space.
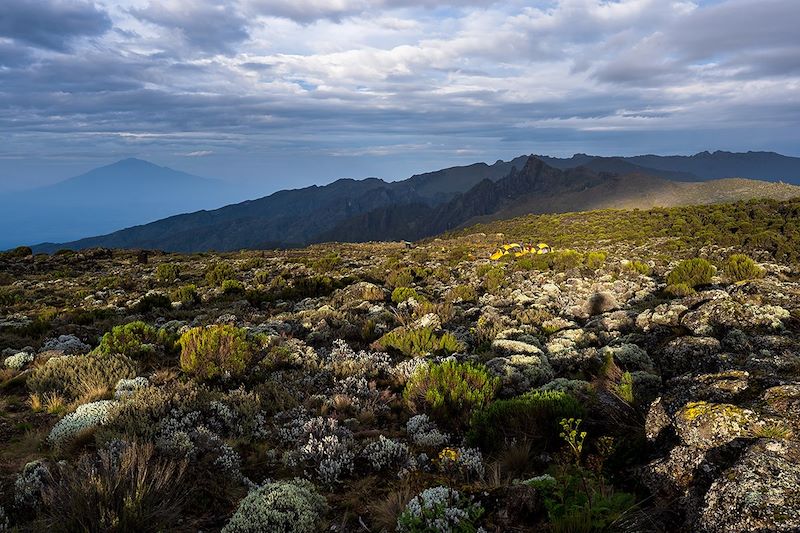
51, 24
209, 25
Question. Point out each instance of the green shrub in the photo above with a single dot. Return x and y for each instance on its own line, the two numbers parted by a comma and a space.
402, 277
262, 277
153, 301
680, 290
691, 272
167, 272
215, 351
186, 294
218, 272
533, 417
465, 293
288, 506
401, 294
595, 260
739, 267
18, 252
137, 340
418, 342
639, 267
450, 391
327, 263
75, 376
232, 287
494, 279
566, 260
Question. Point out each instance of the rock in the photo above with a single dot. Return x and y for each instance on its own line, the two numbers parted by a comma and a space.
362, 291
67, 344
729, 314
629, 356
430, 320
686, 354
505, 347
707, 425
520, 373
760, 492
599, 303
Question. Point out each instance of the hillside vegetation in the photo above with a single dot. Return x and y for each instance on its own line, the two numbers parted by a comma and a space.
642, 377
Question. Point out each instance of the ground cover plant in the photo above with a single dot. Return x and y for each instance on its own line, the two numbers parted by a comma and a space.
642, 377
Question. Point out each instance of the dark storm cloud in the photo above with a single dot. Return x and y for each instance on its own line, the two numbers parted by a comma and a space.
209, 25
51, 24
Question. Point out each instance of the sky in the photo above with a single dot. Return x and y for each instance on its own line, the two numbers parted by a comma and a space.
272, 94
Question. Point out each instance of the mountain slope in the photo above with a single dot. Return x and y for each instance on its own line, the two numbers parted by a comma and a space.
128, 192
539, 188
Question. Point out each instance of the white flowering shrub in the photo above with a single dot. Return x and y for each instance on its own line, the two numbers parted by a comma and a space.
440, 509
466, 463
385, 453
283, 506
126, 387
405, 369
29, 484
345, 362
18, 361
422, 431
327, 449
85, 417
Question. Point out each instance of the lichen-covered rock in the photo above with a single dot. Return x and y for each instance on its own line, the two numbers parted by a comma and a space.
760, 492
706, 425
359, 292
686, 354
506, 347
727, 313
628, 356
68, 344
599, 303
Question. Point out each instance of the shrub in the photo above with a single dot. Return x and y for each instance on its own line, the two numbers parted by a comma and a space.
464, 293
137, 340
167, 272
680, 290
595, 260
639, 267
418, 342
288, 506
18, 252
327, 263
449, 391
186, 294
153, 301
494, 279
401, 294
532, 417
75, 376
739, 267
402, 277
218, 272
566, 260
85, 418
125, 488
232, 287
215, 351
440, 509
262, 277
692, 273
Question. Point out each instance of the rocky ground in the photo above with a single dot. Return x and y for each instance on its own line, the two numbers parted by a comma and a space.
589, 398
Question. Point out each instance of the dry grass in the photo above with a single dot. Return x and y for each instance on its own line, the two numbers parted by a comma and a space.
383, 512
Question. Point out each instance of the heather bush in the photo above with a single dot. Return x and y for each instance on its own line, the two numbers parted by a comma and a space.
532, 417
126, 487
692, 273
401, 294
167, 272
153, 301
283, 506
73, 377
137, 340
450, 391
595, 260
462, 293
680, 290
218, 272
186, 294
215, 351
418, 342
739, 267
327, 263
232, 287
